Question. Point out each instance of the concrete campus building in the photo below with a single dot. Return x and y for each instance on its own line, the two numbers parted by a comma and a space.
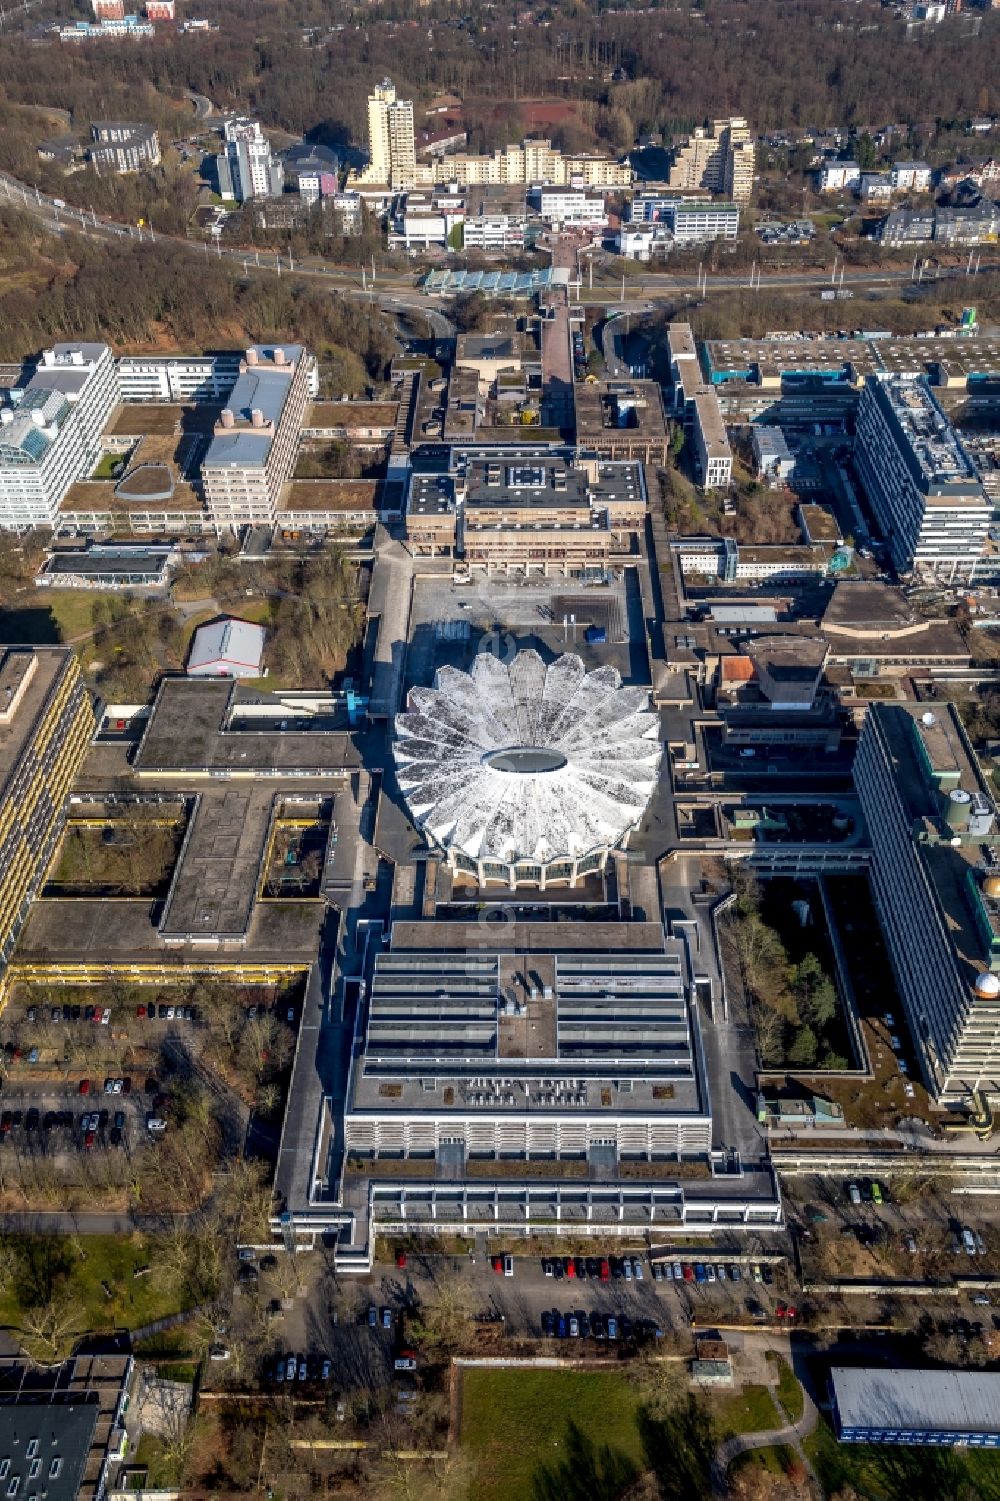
923, 486
253, 448
936, 881
52, 435
46, 722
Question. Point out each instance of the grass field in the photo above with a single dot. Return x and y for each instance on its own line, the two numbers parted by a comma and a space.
888, 1473
516, 1422
53, 615
750, 1411
789, 1390
93, 1278
776, 1461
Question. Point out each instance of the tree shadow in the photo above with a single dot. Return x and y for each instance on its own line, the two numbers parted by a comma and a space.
679, 1448
588, 1472
903, 1473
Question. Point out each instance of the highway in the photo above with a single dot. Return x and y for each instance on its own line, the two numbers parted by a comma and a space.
350, 281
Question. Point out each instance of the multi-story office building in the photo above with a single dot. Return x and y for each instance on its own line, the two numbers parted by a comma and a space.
688, 219
201, 379
52, 435
573, 206
123, 146
248, 168
936, 879
922, 484
46, 722
253, 449
696, 406
720, 159
495, 220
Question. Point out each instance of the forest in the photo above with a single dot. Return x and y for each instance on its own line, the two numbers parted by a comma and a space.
140, 295
794, 64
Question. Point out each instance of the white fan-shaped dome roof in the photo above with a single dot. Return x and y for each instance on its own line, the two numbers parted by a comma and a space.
523, 761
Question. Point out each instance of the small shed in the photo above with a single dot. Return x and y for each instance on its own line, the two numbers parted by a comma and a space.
226, 648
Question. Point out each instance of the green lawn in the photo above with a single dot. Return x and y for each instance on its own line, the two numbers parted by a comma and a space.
70, 1274
110, 465
516, 1422
789, 1390
888, 1473
776, 1460
750, 1411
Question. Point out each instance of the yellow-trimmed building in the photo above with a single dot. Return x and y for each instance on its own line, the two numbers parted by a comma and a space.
46, 723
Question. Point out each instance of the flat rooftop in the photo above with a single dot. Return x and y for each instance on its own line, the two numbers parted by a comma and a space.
83, 931
499, 346
965, 1402
216, 878
633, 408
330, 495
351, 414
190, 729
570, 1029
931, 446
28, 678
99, 495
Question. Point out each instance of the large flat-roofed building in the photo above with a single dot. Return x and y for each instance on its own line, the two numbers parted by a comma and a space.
622, 419
922, 484
567, 1040
936, 880
527, 511
873, 632
253, 449
874, 1405
50, 432
711, 446
62, 1428
202, 379
46, 723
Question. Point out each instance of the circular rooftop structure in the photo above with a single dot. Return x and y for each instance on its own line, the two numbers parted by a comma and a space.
524, 773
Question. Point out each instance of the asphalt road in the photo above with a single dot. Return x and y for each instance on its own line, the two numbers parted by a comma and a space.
349, 281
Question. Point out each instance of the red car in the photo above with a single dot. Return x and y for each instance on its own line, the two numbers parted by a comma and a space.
401, 1259
140, 1011
88, 1140
688, 1271
605, 1269
498, 1264
84, 1086
780, 1311
791, 1313
570, 1267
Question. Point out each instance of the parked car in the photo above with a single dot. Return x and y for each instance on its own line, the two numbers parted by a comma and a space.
612, 1327
508, 1266
548, 1324
372, 1316
387, 1318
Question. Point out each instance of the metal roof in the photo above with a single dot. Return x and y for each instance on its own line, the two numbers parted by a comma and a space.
462, 769
234, 643
966, 1402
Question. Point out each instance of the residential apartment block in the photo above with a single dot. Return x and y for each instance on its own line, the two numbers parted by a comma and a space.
248, 169
252, 452
50, 434
46, 723
922, 484
393, 163
123, 146
719, 159
936, 881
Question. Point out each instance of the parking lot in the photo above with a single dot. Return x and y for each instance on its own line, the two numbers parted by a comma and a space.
92, 1093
